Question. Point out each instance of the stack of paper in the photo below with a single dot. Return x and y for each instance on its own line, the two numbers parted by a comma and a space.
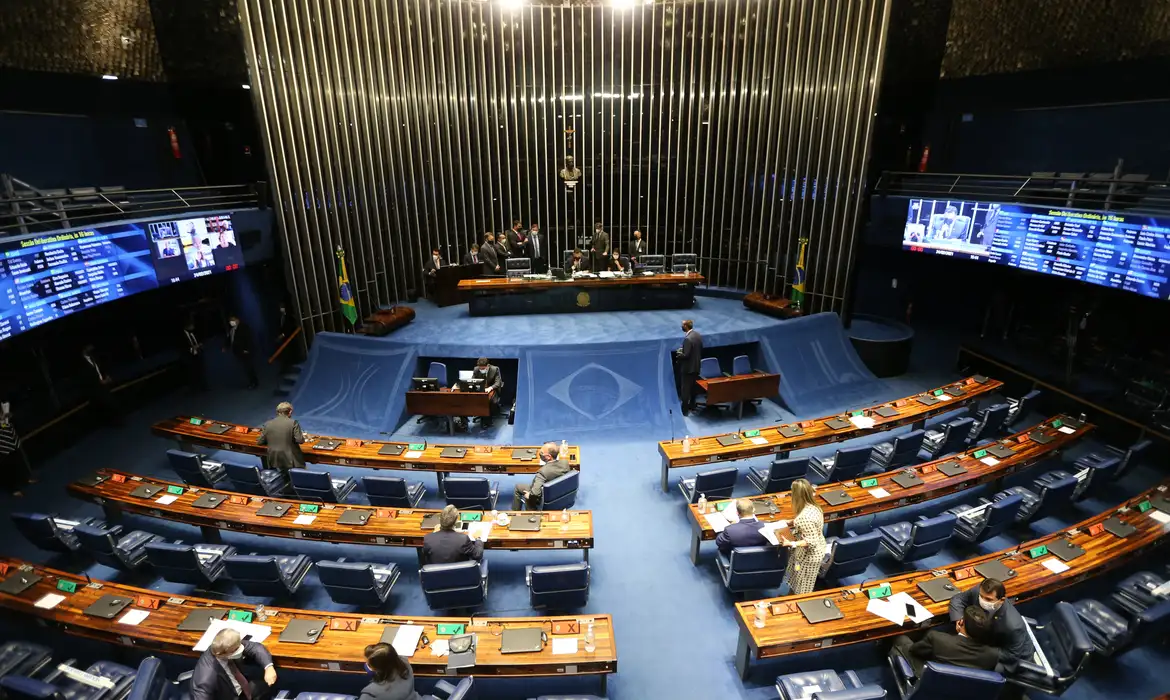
134, 617
480, 531
166, 500
757, 440
716, 521
1159, 516
440, 647
304, 519
879, 492
893, 608
413, 454
990, 461
1066, 430
406, 639
50, 601
862, 422
255, 633
1055, 565
564, 646
769, 531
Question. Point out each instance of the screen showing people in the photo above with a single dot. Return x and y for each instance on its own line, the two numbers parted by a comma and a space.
191, 248
1117, 250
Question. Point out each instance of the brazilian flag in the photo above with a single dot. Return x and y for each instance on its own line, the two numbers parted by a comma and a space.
798, 280
344, 293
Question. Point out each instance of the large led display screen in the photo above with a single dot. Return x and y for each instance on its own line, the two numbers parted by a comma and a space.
1118, 250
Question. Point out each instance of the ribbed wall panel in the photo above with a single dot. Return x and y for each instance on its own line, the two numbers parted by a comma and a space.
731, 129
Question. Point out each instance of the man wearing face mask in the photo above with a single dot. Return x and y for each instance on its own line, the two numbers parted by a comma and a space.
1008, 629
219, 674
690, 356
551, 467
239, 343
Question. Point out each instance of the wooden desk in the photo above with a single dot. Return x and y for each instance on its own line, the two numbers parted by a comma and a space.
934, 484
500, 295
771, 305
740, 388
449, 403
357, 453
786, 631
383, 322
395, 527
335, 650
706, 450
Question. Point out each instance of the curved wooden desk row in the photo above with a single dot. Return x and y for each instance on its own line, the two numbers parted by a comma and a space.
358, 453
770, 441
392, 527
337, 649
503, 284
786, 631
935, 484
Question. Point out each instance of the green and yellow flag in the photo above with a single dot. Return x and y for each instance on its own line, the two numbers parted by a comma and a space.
344, 293
798, 280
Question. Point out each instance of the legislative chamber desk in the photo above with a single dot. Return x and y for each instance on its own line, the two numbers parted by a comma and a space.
339, 648
497, 296
771, 441
786, 631
449, 403
869, 500
392, 527
739, 388
359, 453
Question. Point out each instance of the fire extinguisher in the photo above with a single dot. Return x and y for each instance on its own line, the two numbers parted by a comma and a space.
175, 143
925, 158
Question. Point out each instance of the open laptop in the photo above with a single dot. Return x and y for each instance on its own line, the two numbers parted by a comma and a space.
820, 610
521, 641
199, 620
108, 606
466, 374
939, 589
461, 651
525, 523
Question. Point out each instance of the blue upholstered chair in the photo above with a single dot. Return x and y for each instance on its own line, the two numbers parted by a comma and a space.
830, 685
438, 370
752, 568
321, 486
1049, 492
465, 690
988, 422
709, 368
1018, 409
314, 695
57, 686
952, 438
715, 484
450, 586
846, 463
199, 565
23, 658
1098, 458
1135, 593
944, 682
256, 481
849, 555
471, 492
779, 475
357, 582
267, 575
902, 451
194, 470
1064, 646
561, 492
741, 365
108, 545
393, 491
985, 519
1112, 632
49, 532
151, 683
559, 587
909, 541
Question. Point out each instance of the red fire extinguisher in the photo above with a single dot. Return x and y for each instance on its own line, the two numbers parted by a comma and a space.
175, 143
925, 158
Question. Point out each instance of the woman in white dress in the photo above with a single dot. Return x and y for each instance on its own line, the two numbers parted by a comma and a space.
807, 551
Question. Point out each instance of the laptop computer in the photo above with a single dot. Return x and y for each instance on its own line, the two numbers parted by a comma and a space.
1067, 551
19, 582
199, 620
209, 500
939, 589
836, 498
525, 523
430, 521
820, 610
729, 440
1161, 503
526, 454
146, 491
838, 424
92, 479
886, 411
558, 273
300, 631
219, 428
926, 400
461, 651
979, 379
454, 452
1073, 423
907, 480
954, 391
273, 509
952, 469
1000, 451
108, 606
327, 445
525, 640
392, 450
994, 569
1116, 526
790, 431
354, 517
765, 506
1040, 437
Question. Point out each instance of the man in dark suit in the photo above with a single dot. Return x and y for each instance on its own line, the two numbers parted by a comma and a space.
218, 674
690, 356
446, 546
551, 467
578, 263
192, 354
239, 344
430, 269
1009, 632
489, 254
515, 238
638, 247
284, 437
471, 257
599, 248
969, 646
536, 247
493, 382
745, 533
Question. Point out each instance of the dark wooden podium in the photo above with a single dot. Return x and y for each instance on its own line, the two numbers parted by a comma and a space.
447, 283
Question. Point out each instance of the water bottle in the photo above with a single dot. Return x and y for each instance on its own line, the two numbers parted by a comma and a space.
702, 503
686, 444
564, 449
565, 515
761, 613
590, 641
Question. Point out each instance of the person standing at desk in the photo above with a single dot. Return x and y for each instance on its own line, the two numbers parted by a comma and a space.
804, 562
536, 247
284, 437
745, 533
446, 546
431, 269
599, 248
489, 254
239, 343
504, 249
492, 382
515, 238
218, 675
1009, 632
690, 357
471, 257
551, 467
393, 677
638, 247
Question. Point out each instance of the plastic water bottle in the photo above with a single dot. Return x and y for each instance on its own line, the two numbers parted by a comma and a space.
590, 640
565, 515
564, 449
687, 443
702, 503
761, 613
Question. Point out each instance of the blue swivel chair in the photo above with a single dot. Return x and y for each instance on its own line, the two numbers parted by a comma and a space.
1135, 593
1096, 476
108, 545
393, 491
741, 365
57, 686
752, 568
907, 541
268, 576
902, 451
715, 484
1112, 632
779, 475
451, 586
986, 519
846, 463
151, 683
438, 370
1125, 457
1049, 492
561, 492
23, 658
709, 369
359, 583
256, 481
194, 470
1021, 407
464, 691
199, 565
50, 533
850, 555
559, 587
952, 438
988, 422
321, 486
830, 685
471, 492
941, 681
1064, 647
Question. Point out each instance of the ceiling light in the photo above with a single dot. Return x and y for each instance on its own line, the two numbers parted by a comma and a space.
246, 87
109, 77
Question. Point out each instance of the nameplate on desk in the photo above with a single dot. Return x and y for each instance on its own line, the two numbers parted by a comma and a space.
196, 421
118, 478
309, 508
66, 586
1037, 552
883, 591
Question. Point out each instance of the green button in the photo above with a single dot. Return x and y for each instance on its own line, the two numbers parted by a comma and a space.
450, 628
866, 483
980, 454
938, 392
177, 490
722, 505
1143, 506
310, 507
858, 414
751, 433
1037, 552
240, 615
474, 517
880, 592
1057, 423
67, 586
196, 421
417, 446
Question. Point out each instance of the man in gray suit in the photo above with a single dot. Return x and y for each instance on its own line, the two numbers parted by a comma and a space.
283, 436
551, 468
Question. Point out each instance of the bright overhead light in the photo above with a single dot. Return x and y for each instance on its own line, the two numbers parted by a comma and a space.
109, 77
246, 87
623, 3
513, 4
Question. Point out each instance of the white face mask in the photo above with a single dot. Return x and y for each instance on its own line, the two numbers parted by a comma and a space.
233, 324
990, 607
237, 654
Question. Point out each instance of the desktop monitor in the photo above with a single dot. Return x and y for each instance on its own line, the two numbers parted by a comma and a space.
425, 383
473, 385
465, 374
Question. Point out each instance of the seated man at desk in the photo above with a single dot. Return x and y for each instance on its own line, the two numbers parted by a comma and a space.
1009, 632
551, 467
578, 263
446, 546
284, 438
615, 262
745, 533
969, 646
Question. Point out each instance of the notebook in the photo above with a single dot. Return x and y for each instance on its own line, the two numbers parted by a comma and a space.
952, 469
729, 440
453, 452
1067, 551
765, 506
108, 606
820, 610
209, 500
19, 582
524, 523
939, 589
1161, 503
430, 521
92, 479
199, 620
954, 391
354, 517
1000, 451
146, 491
927, 400
838, 424
327, 445
273, 509
521, 641
1118, 527
392, 450
836, 498
790, 431
886, 412
994, 569
527, 454
219, 428
1040, 437
300, 631
907, 480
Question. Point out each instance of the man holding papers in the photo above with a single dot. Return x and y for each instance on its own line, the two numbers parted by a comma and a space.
1008, 629
745, 533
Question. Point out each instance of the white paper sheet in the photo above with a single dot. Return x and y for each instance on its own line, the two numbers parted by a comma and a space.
564, 646
413, 454
769, 531
1066, 430
1162, 591
480, 531
1159, 516
440, 647
903, 599
757, 440
943, 397
862, 422
1055, 565
257, 633
716, 521
886, 609
990, 461
730, 513
166, 500
406, 639
879, 492
134, 617
809, 690
304, 519
50, 601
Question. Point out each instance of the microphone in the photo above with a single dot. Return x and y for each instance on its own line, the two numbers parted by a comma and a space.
672, 425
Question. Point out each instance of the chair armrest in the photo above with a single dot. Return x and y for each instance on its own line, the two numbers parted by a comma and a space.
184, 676
903, 667
445, 687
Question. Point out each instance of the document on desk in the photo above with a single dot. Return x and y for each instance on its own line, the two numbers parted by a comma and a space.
757, 440
769, 531
564, 646
1159, 516
480, 531
716, 521
304, 519
253, 632
440, 647
134, 617
863, 422
50, 601
166, 500
406, 639
903, 599
879, 493
1066, 430
990, 461
1055, 565
413, 454
887, 609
